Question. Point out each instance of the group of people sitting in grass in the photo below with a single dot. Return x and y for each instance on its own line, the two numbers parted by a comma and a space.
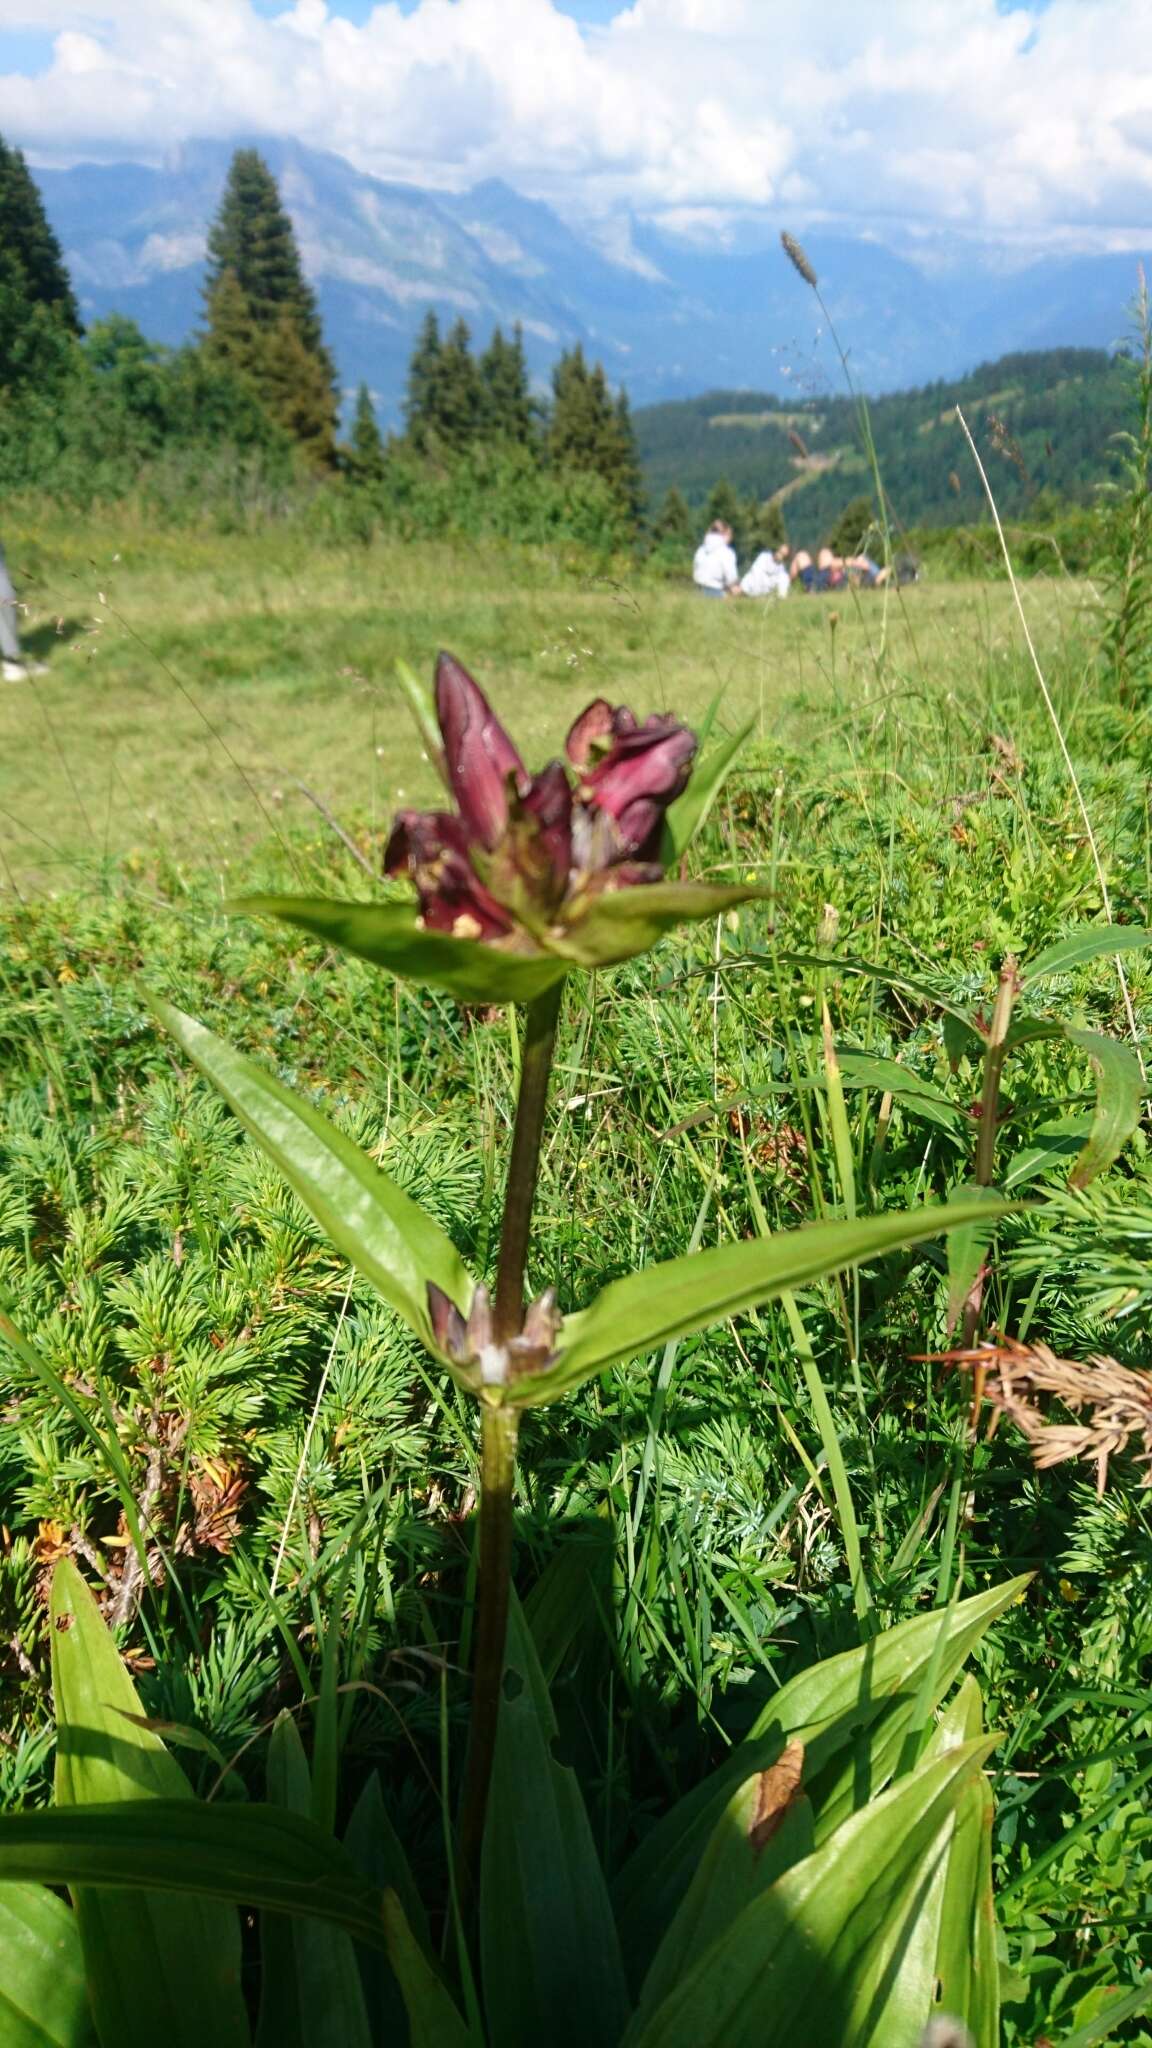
716, 573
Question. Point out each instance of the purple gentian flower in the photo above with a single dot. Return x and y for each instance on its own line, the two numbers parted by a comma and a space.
524, 853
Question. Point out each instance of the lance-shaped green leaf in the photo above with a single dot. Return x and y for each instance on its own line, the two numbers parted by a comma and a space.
1119, 1087
835, 1950
967, 1969
391, 936
43, 2000
651, 1307
422, 705
433, 2020
379, 1229
765, 1828
551, 1957
311, 1988
247, 1855
851, 1713
157, 1968
1089, 942
685, 818
621, 922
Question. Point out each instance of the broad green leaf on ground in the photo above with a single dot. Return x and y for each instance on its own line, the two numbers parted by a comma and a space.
376, 1849
311, 1989
967, 1967
43, 2000
841, 963
390, 935
433, 2020
373, 1223
649, 1308
851, 1713
549, 1950
250, 1855
684, 819
835, 1953
158, 1968
621, 922
1056, 1143
1119, 1089
1089, 942
764, 1829
922, 1098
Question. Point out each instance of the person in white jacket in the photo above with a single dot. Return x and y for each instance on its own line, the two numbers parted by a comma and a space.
768, 576
714, 567
13, 666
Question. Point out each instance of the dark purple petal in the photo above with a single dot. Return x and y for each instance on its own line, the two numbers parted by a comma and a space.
479, 757
431, 848
548, 803
644, 771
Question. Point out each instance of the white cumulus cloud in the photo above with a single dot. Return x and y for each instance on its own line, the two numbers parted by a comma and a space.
957, 114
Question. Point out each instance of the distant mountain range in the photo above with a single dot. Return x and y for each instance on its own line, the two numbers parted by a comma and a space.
668, 317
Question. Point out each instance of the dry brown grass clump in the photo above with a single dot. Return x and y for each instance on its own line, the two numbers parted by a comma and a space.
1114, 1400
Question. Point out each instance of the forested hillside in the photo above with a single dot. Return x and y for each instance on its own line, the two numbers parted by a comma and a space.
1044, 422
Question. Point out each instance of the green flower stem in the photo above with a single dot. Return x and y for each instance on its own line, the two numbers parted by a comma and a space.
520, 1192
498, 1430
499, 1424
994, 1056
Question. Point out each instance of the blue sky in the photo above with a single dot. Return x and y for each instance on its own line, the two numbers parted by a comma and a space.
1003, 118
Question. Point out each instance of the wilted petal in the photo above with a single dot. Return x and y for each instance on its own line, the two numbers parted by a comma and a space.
593, 729
431, 848
479, 757
480, 1320
448, 1325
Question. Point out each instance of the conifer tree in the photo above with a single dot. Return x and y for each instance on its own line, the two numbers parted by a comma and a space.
423, 374
28, 241
851, 529
590, 431
767, 525
506, 409
725, 503
673, 524
262, 314
623, 470
366, 443
457, 402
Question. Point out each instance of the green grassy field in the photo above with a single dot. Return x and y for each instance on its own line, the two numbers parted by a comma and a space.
903, 772
194, 683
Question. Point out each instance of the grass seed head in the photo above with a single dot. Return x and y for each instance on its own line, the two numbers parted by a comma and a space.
798, 259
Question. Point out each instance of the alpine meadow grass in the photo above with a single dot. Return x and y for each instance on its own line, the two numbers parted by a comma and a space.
215, 1419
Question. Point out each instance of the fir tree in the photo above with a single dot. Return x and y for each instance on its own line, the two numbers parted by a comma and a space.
457, 400
765, 525
852, 528
29, 242
366, 443
506, 409
673, 524
623, 471
725, 503
423, 374
589, 431
263, 320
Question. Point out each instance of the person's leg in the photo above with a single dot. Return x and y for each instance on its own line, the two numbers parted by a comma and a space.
9, 638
